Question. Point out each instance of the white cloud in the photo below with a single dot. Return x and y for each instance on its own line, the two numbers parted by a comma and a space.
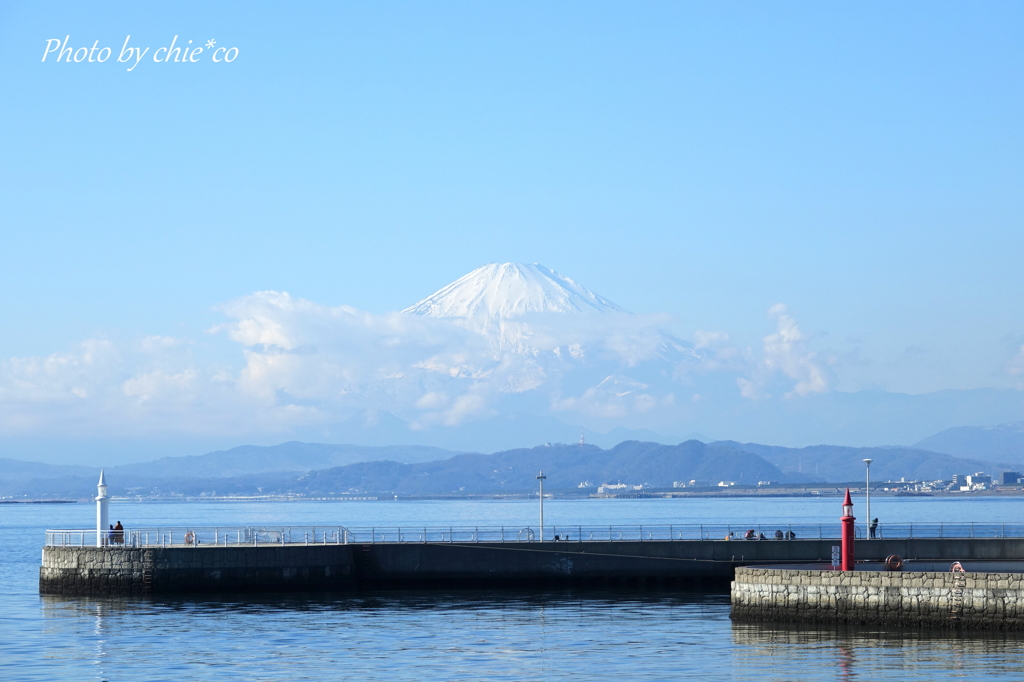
644, 402
1015, 365
434, 400
703, 339
751, 389
102, 388
60, 376
614, 397
156, 344
786, 353
298, 363
712, 354
427, 369
157, 385
465, 406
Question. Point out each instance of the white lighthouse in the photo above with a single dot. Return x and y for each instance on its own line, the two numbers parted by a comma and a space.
101, 511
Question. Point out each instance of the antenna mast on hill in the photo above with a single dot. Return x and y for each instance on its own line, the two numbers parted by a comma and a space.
583, 441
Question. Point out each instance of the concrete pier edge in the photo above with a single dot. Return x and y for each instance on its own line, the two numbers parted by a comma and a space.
982, 600
340, 567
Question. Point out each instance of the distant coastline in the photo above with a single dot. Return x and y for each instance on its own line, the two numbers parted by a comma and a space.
831, 492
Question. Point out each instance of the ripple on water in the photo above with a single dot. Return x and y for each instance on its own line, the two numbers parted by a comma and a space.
476, 636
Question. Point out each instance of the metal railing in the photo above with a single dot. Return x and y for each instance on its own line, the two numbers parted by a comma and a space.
296, 535
194, 536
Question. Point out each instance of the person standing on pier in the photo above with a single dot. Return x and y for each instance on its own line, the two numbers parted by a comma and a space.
872, 528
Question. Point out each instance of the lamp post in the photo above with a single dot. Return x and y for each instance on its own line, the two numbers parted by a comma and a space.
101, 511
541, 477
867, 492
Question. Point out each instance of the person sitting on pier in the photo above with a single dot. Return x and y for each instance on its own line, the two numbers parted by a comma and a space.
118, 534
778, 535
749, 535
790, 535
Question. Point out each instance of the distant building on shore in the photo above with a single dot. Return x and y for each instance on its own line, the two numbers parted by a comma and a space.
608, 488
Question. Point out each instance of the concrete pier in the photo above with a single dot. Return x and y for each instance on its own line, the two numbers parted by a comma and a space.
986, 596
454, 565
169, 570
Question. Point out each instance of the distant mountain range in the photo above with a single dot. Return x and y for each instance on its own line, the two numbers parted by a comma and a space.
512, 471
321, 469
840, 463
1003, 442
287, 457
246, 461
566, 466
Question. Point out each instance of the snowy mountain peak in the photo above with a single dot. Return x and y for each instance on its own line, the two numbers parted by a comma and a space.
504, 290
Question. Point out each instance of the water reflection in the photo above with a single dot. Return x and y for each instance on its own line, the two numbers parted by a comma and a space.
487, 636
847, 663
393, 635
857, 652
100, 636
58, 606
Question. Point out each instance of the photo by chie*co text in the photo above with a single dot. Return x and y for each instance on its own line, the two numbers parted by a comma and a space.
181, 52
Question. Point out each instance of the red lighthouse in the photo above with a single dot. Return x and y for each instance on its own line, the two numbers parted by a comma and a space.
848, 533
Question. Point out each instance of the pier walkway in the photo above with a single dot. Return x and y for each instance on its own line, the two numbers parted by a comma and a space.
338, 558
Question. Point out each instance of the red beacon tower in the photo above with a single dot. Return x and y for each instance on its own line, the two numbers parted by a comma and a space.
848, 533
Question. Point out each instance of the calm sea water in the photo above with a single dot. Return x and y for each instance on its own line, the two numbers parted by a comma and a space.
463, 636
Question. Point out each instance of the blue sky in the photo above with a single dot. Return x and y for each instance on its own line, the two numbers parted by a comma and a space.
860, 164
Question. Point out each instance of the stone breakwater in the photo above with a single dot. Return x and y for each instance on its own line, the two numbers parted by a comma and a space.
321, 568
122, 571
445, 565
982, 600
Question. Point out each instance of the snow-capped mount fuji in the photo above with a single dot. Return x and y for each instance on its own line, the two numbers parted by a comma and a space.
525, 310
544, 329
500, 291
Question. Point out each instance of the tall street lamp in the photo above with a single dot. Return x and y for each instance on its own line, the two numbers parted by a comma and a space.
541, 477
867, 492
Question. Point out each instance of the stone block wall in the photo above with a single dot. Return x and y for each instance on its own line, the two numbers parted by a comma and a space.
152, 570
893, 598
94, 570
